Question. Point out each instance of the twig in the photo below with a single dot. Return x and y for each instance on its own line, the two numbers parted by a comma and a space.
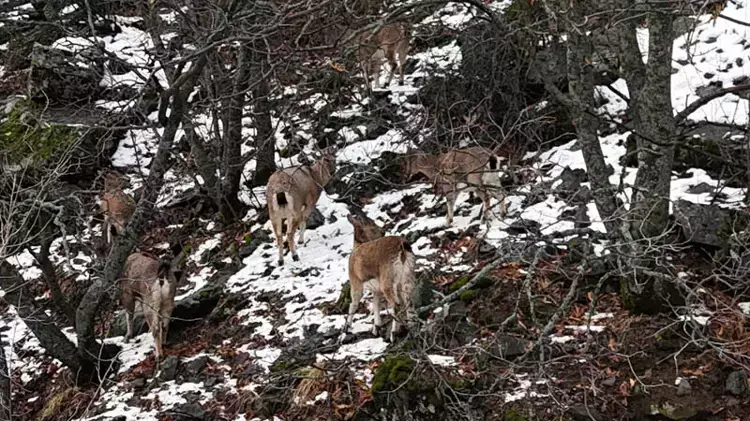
454, 295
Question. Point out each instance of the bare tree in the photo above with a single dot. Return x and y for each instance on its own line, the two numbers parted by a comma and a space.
6, 410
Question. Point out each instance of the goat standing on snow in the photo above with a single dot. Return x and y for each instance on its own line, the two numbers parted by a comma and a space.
153, 284
292, 194
475, 169
116, 205
385, 265
389, 41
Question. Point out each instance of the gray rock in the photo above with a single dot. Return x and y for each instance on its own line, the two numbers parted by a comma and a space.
187, 411
571, 180
736, 383
522, 226
584, 413
197, 365
423, 292
706, 224
701, 188
509, 346
315, 220
683, 388
257, 238
138, 383
169, 368
63, 76
609, 381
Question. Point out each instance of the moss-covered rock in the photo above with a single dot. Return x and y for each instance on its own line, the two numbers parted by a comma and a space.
513, 415
341, 306
25, 140
394, 372
57, 403
469, 295
458, 283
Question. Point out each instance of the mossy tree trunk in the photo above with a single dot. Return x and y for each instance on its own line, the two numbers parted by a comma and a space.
50, 337
232, 162
655, 132
652, 119
5, 403
265, 143
49, 274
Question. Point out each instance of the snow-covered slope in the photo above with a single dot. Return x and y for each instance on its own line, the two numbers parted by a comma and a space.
716, 48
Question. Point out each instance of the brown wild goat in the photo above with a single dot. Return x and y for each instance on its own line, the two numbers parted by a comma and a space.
153, 283
116, 205
388, 42
475, 169
292, 194
385, 266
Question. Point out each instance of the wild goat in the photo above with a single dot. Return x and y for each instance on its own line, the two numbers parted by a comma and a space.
116, 205
385, 265
292, 194
389, 41
153, 283
475, 169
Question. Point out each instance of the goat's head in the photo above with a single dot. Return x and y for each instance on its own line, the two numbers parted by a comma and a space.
365, 229
115, 180
325, 167
418, 162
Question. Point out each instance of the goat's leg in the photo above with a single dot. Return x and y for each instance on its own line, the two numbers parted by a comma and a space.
376, 71
396, 323
128, 302
366, 73
450, 201
485, 204
377, 322
107, 230
500, 195
390, 55
291, 228
356, 296
302, 227
157, 333
278, 232
401, 63
129, 322
165, 316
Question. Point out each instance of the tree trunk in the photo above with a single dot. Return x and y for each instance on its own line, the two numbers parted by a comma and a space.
265, 141
581, 88
50, 337
5, 407
232, 151
655, 133
50, 278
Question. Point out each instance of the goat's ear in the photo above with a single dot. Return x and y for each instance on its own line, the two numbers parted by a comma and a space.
351, 219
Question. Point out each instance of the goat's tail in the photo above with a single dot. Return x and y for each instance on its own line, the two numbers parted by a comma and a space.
494, 163
402, 268
281, 199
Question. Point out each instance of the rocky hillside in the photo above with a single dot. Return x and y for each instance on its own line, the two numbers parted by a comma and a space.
522, 317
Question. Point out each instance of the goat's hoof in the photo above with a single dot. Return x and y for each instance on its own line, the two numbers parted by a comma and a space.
295, 258
400, 83
280, 262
